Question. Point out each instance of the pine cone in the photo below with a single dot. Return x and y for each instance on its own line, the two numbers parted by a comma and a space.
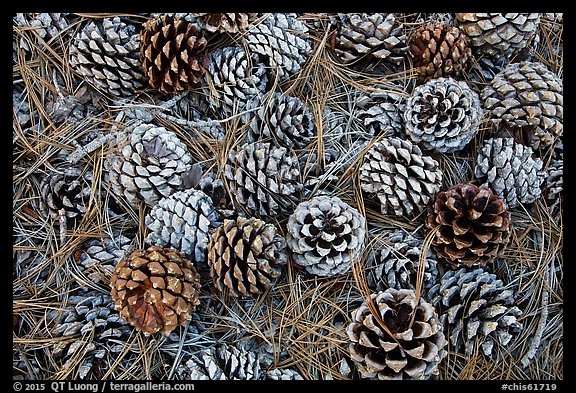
209, 184
281, 119
49, 27
375, 37
475, 226
325, 234
106, 54
155, 289
507, 167
67, 189
443, 115
173, 54
245, 256
281, 42
225, 22
403, 179
263, 179
149, 165
476, 309
235, 79
527, 99
395, 263
439, 51
554, 186
415, 349
98, 257
221, 362
380, 113
183, 221
99, 333
496, 34
283, 374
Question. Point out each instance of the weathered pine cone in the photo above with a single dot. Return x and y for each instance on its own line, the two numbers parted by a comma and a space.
443, 115
412, 352
284, 374
395, 263
280, 41
400, 175
148, 166
554, 185
509, 169
380, 113
209, 184
106, 54
245, 256
183, 221
98, 257
439, 51
281, 119
375, 37
235, 79
228, 22
477, 311
155, 289
68, 190
527, 99
263, 179
99, 334
496, 34
325, 234
221, 362
48, 26
474, 225
173, 54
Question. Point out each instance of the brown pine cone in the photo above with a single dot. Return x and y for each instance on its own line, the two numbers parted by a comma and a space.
439, 51
155, 289
173, 54
245, 256
474, 225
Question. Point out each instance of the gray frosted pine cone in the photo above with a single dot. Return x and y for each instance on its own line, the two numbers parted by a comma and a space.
229, 22
245, 256
66, 189
98, 257
221, 362
510, 170
380, 113
100, 335
554, 185
283, 374
49, 27
443, 115
374, 37
325, 234
106, 54
478, 312
527, 99
209, 184
263, 179
281, 119
235, 79
400, 175
415, 349
497, 34
395, 263
183, 221
148, 165
282, 43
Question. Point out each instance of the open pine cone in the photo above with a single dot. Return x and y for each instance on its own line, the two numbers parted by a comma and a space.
263, 179
509, 169
173, 54
155, 289
439, 51
379, 113
148, 166
49, 27
106, 52
403, 179
477, 311
474, 225
443, 115
496, 34
98, 257
325, 234
413, 351
229, 22
527, 99
245, 256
